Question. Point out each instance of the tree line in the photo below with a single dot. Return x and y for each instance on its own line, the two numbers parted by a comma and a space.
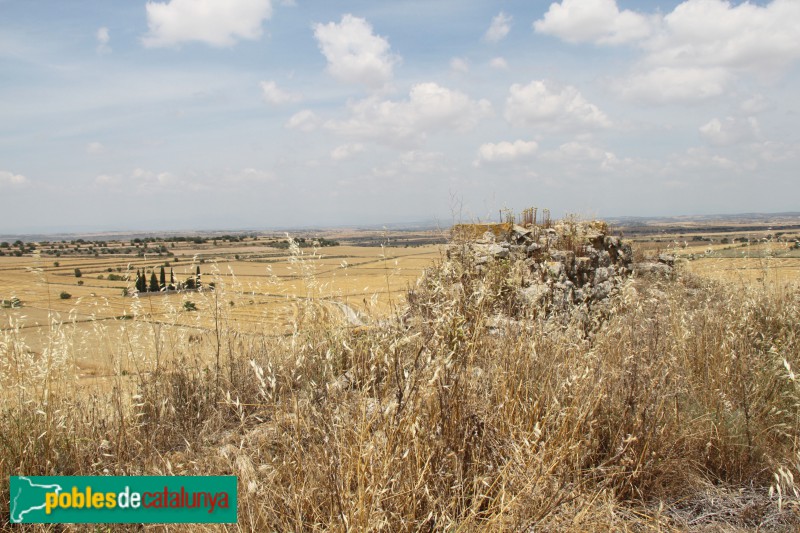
159, 283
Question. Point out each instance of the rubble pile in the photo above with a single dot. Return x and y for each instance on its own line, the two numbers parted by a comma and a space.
566, 263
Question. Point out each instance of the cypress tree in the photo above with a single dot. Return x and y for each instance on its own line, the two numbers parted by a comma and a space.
153, 282
162, 278
197, 277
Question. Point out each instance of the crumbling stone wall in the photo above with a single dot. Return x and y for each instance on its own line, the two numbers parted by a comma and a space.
567, 263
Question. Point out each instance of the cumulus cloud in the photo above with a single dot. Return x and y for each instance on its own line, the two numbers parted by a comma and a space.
305, 120
693, 52
354, 53
665, 85
346, 151
145, 181
9, 179
274, 95
505, 151
214, 22
460, 65
542, 103
717, 34
755, 104
498, 63
103, 38
413, 162
499, 28
704, 45
730, 131
95, 148
597, 21
429, 108
249, 176
577, 153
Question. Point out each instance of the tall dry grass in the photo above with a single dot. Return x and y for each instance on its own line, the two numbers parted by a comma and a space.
679, 409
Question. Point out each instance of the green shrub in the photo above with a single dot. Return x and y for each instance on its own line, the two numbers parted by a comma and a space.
65, 295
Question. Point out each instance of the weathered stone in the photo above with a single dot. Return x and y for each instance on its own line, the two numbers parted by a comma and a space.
554, 269
602, 290
534, 295
533, 248
658, 269
565, 265
567, 257
601, 275
667, 259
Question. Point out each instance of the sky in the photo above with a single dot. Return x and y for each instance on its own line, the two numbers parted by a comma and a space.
226, 114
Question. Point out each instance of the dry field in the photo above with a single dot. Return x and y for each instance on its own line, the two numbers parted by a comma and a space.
266, 291
749, 258
673, 405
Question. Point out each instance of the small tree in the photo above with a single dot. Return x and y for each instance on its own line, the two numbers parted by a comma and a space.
153, 282
141, 283
162, 278
78, 273
197, 277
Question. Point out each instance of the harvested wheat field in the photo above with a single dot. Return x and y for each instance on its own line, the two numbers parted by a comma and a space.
268, 294
549, 377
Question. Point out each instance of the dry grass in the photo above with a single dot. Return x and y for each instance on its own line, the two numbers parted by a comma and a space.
679, 411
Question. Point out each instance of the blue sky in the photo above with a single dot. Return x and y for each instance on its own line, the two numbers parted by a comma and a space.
199, 114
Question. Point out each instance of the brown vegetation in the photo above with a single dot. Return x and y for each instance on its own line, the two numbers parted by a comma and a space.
678, 410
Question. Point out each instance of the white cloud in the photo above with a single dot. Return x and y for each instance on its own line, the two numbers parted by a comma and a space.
346, 151
145, 182
460, 65
506, 151
499, 63
714, 33
214, 22
274, 95
103, 38
703, 158
730, 131
598, 21
501, 25
95, 148
773, 152
579, 154
755, 104
354, 53
305, 120
12, 180
106, 180
429, 108
413, 162
665, 85
702, 46
248, 176
543, 103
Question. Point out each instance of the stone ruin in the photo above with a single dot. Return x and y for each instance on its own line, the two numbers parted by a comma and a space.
567, 263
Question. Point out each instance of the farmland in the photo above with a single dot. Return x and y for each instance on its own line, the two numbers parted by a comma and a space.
346, 391
262, 285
